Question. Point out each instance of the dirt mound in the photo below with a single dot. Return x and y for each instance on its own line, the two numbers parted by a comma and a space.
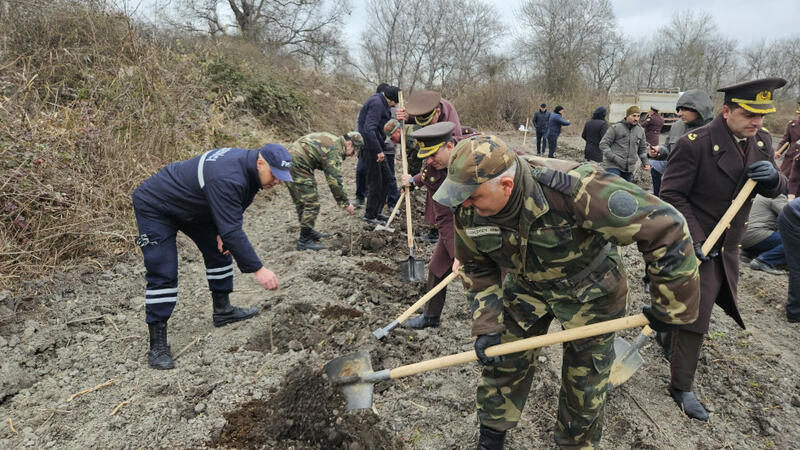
307, 413
377, 267
334, 312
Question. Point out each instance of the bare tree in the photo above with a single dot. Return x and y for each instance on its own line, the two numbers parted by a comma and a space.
304, 27
607, 60
559, 36
429, 43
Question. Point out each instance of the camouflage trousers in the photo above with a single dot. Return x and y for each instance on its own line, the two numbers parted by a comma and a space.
306, 200
503, 388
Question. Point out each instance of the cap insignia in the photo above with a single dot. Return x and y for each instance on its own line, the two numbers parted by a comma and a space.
764, 96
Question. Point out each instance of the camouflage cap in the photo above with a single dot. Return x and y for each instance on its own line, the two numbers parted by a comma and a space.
473, 162
356, 138
391, 126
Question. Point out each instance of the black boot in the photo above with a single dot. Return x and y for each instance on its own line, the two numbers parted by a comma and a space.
317, 235
306, 241
225, 313
423, 321
490, 439
689, 403
159, 355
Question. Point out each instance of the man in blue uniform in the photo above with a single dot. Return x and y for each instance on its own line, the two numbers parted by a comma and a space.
204, 197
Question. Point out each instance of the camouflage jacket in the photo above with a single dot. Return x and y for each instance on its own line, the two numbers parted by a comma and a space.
320, 151
571, 213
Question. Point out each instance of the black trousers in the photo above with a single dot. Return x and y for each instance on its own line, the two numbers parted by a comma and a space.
540, 135
377, 174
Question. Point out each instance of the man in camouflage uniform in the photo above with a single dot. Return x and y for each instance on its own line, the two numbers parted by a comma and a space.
325, 152
555, 227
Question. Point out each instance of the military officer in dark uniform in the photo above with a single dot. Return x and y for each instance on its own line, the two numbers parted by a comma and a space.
707, 169
790, 167
435, 146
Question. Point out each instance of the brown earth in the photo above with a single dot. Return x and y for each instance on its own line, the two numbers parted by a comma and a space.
257, 384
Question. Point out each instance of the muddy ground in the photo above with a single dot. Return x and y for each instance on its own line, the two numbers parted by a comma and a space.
258, 384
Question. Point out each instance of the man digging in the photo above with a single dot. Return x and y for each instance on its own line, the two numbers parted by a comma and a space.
555, 226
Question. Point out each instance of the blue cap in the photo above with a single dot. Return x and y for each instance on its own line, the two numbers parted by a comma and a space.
279, 160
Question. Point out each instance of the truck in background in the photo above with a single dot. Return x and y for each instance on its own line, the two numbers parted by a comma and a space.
663, 99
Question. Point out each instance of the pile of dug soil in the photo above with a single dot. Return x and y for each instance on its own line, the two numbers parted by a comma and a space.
307, 413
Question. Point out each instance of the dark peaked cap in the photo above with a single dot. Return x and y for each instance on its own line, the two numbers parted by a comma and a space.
422, 102
754, 96
432, 137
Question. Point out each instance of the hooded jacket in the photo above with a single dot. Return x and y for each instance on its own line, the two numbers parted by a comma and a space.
696, 100
593, 132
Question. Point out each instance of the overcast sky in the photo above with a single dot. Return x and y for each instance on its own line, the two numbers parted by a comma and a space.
768, 19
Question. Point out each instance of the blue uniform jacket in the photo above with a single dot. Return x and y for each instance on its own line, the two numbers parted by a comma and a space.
371, 119
229, 181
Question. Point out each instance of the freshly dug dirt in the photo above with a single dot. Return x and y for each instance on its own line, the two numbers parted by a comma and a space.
257, 384
308, 412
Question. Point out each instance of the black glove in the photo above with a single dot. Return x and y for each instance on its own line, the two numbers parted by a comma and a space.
764, 173
483, 342
654, 322
698, 252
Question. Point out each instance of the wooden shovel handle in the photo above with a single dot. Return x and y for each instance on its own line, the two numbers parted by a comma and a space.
405, 172
596, 329
396, 207
424, 299
747, 189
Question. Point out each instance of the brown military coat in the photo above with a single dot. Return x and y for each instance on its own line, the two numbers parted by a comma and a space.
791, 159
704, 174
441, 216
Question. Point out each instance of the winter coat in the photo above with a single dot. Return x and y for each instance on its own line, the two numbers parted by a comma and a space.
623, 146
373, 116
696, 100
791, 159
706, 172
540, 121
554, 124
652, 128
593, 132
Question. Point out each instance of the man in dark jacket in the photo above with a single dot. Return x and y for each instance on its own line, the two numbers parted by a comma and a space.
694, 109
554, 125
361, 169
593, 132
707, 168
540, 120
204, 197
373, 116
652, 126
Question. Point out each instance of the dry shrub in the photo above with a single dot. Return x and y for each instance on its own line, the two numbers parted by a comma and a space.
92, 104
503, 105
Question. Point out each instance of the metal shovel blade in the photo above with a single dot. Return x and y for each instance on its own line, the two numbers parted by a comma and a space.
348, 371
412, 270
627, 362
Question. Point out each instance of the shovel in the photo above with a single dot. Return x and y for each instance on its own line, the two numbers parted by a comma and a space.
628, 358
381, 333
354, 374
386, 227
410, 269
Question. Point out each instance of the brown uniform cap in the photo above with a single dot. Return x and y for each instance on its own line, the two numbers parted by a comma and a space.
422, 102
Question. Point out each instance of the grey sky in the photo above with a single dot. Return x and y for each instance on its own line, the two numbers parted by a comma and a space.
638, 18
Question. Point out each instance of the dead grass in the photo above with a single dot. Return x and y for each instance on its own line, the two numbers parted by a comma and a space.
92, 104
